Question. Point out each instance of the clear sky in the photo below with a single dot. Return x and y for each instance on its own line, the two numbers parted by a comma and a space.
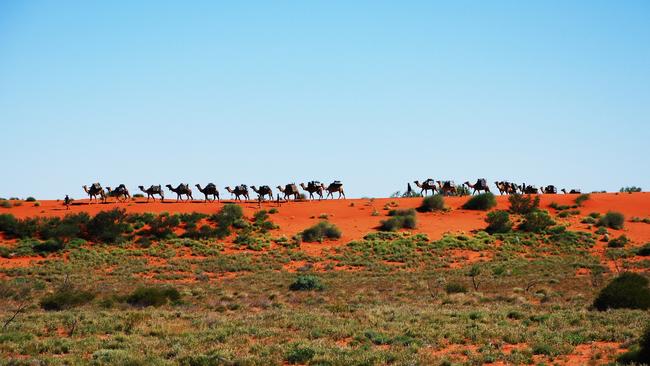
374, 93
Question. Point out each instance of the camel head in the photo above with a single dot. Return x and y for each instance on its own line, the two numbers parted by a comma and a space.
467, 184
141, 188
228, 189
170, 187
85, 187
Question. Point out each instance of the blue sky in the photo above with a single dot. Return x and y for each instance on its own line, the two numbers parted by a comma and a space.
374, 93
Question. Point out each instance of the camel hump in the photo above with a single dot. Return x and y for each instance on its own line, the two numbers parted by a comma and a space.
211, 185
314, 183
482, 182
96, 186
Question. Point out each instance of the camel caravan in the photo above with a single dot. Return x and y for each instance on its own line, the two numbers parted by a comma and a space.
183, 191
449, 188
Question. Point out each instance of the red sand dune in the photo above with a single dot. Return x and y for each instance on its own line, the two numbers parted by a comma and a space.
354, 216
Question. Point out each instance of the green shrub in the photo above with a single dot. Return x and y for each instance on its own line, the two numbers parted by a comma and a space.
273, 211
618, 242
498, 222
307, 283
6, 204
108, 226
299, 355
30, 199
163, 226
229, 216
455, 288
629, 290
582, 198
432, 203
644, 251
483, 201
520, 204
400, 219
66, 298
612, 220
320, 231
536, 221
153, 296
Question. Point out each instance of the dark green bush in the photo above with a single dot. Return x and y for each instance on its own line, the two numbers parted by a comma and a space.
498, 222
162, 226
520, 204
612, 220
455, 288
644, 251
153, 296
536, 221
66, 298
483, 201
629, 290
319, 232
432, 203
30, 199
307, 283
108, 226
299, 355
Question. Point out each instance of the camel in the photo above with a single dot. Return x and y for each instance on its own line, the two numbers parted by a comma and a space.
573, 191
447, 188
152, 191
290, 190
526, 189
209, 190
427, 185
95, 191
182, 189
240, 190
121, 193
501, 186
313, 187
334, 187
550, 189
263, 191
479, 186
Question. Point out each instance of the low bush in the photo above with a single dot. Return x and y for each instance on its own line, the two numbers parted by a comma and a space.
319, 232
498, 222
520, 204
483, 201
629, 290
618, 242
66, 298
399, 219
30, 199
536, 222
299, 355
432, 203
612, 220
230, 215
307, 283
153, 296
455, 288
108, 226
6, 204
644, 251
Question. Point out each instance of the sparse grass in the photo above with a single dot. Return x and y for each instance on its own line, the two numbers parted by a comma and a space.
582, 198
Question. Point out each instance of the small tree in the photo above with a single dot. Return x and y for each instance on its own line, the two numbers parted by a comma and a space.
473, 273
483, 201
612, 220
